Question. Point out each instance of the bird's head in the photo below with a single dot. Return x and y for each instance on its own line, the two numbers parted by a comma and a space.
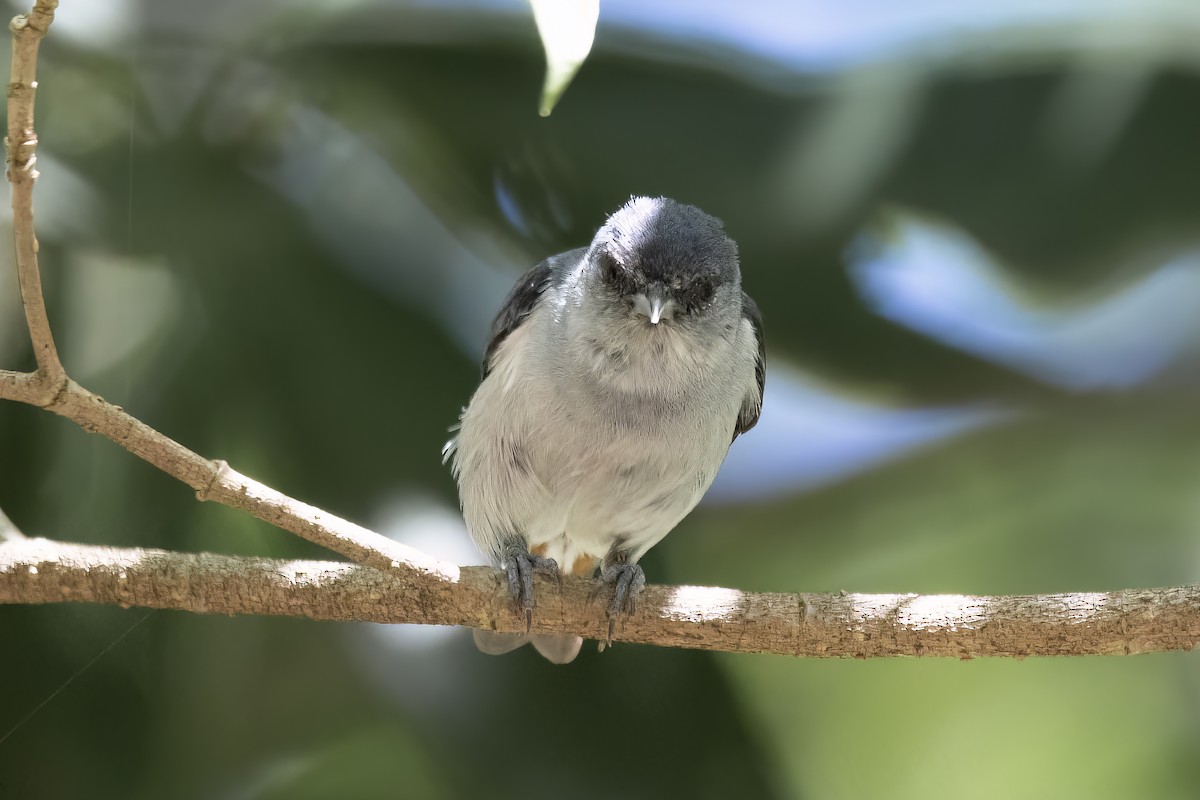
664, 262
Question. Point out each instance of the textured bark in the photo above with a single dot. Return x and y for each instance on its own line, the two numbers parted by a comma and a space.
20, 147
707, 618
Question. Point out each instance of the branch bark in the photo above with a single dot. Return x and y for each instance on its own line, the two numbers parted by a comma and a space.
21, 154
217, 481
707, 618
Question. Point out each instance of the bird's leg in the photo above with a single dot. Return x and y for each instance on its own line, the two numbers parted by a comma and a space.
520, 566
627, 581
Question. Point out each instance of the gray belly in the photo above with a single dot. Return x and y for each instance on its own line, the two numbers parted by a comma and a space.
622, 475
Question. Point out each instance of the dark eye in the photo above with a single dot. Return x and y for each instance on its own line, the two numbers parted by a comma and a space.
616, 276
610, 270
699, 296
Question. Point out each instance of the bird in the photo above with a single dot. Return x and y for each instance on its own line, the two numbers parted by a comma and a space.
615, 378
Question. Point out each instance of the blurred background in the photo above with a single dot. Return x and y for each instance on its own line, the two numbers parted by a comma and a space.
277, 231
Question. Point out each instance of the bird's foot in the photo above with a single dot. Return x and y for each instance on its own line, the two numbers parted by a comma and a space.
520, 567
627, 582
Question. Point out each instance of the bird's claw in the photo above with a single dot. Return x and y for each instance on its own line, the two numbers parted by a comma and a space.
520, 569
627, 582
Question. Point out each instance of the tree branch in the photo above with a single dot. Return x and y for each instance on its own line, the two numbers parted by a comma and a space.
815, 625
52, 389
21, 150
217, 481
23, 387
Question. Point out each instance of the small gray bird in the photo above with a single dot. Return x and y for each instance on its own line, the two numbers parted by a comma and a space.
616, 377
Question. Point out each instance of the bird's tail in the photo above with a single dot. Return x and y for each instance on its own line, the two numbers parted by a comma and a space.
554, 648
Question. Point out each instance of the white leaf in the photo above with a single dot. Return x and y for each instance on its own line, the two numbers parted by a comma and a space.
567, 28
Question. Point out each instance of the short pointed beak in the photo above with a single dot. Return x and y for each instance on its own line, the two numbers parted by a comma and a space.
654, 306
656, 309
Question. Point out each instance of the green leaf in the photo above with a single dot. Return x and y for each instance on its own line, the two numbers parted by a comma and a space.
567, 28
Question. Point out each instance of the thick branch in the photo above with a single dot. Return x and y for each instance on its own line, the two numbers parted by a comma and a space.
21, 150
817, 625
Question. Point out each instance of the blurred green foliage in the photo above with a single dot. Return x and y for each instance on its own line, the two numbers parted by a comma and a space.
222, 259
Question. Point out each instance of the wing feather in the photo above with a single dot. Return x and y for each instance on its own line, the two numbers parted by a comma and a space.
524, 298
752, 405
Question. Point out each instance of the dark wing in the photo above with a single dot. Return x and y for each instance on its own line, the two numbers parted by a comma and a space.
752, 406
523, 297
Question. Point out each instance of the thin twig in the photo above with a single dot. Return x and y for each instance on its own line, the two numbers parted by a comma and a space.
22, 387
21, 152
217, 481
812, 625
